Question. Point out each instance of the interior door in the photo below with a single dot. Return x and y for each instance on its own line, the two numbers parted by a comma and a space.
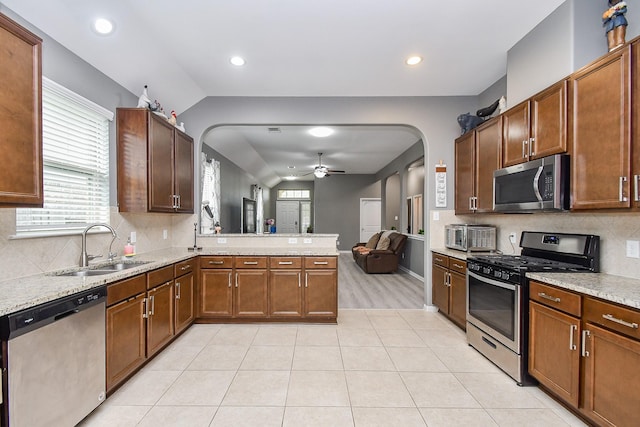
287, 216
370, 218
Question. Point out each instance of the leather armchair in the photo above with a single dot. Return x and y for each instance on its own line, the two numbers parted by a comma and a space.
381, 260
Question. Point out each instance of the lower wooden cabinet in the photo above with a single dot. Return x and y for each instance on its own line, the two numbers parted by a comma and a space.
216, 293
185, 304
251, 293
285, 296
320, 293
160, 321
449, 287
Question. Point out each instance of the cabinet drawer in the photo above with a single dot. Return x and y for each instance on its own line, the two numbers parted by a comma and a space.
612, 316
320, 262
184, 267
441, 260
559, 299
120, 291
458, 266
216, 262
251, 262
277, 262
159, 276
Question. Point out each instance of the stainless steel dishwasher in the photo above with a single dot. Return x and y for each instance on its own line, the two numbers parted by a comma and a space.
56, 360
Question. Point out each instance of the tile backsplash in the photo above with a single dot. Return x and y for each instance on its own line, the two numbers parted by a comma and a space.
614, 230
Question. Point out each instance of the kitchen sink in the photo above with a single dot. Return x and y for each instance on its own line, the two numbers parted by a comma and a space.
104, 269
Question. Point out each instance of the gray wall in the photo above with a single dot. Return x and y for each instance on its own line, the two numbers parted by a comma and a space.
337, 205
392, 202
413, 257
235, 184
64, 67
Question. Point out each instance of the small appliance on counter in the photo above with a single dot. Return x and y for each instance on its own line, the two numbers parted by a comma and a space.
470, 237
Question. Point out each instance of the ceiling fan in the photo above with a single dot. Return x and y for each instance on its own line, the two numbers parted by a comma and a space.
321, 171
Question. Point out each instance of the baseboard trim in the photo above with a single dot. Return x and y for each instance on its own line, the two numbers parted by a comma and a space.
430, 308
410, 273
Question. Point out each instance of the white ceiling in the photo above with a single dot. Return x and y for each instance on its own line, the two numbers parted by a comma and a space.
181, 50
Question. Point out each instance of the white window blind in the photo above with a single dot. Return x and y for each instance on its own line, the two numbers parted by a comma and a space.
75, 134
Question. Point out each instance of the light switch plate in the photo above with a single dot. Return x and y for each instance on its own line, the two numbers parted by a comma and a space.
164, 234
436, 216
633, 249
133, 237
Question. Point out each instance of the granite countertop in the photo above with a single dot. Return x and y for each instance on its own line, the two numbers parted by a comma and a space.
622, 290
25, 292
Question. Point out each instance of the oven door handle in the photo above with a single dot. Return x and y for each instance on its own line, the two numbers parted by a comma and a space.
493, 282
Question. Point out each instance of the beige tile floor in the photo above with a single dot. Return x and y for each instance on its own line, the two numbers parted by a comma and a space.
375, 368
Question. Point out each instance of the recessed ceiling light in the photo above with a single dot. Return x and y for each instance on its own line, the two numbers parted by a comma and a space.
103, 26
321, 132
238, 61
291, 167
413, 60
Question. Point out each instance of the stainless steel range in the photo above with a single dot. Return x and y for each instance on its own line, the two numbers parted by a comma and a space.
498, 293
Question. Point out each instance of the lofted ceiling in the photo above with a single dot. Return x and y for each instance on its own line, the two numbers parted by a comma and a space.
181, 50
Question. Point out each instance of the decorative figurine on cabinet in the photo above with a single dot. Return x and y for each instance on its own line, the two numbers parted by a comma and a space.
144, 101
615, 23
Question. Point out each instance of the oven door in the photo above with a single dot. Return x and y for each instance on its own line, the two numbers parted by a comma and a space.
494, 306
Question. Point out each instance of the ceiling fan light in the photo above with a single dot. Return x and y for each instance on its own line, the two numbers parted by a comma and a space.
320, 173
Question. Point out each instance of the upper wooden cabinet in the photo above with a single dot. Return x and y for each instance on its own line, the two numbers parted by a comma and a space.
537, 127
600, 133
477, 154
21, 118
155, 164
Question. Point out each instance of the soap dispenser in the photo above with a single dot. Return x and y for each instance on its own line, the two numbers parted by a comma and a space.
128, 248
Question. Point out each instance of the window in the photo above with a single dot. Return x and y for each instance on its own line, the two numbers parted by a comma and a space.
75, 135
294, 194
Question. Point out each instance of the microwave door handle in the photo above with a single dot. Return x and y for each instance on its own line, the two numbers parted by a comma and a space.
536, 180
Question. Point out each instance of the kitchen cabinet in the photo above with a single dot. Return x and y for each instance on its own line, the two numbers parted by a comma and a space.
21, 120
285, 287
160, 307
321, 287
536, 127
554, 334
184, 273
155, 164
600, 133
477, 154
216, 291
251, 294
449, 287
635, 111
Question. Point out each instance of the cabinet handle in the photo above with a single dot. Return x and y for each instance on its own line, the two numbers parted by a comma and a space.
236, 280
186, 267
299, 281
216, 262
470, 203
251, 263
457, 265
548, 297
636, 196
285, 263
620, 321
144, 308
572, 345
621, 196
229, 279
438, 259
585, 334
524, 149
306, 280
531, 146
320, 262
179, 201
177, 290
153, 305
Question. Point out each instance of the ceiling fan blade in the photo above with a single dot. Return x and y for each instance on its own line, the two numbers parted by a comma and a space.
335, 171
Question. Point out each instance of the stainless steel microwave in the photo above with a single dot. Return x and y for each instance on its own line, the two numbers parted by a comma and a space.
538, 185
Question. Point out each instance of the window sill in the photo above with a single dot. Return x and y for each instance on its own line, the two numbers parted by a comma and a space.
53, 233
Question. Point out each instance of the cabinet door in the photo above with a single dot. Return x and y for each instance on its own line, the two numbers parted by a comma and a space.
516, 134
21, 118
611, 378
216, 293
160, 317
554, 359
184, 171
321, 293
635, 111
161, 161
251, 293
464, 173
285, 293
549, 121
488, 158
439, 288
184, 305
458, 303
125, 339
600, 133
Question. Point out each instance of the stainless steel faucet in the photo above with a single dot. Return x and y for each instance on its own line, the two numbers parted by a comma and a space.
84, 257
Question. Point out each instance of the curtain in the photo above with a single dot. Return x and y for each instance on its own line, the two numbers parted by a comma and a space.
210, 179
257, 196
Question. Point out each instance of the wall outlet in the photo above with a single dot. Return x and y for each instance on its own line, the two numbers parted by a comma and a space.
308, 241
133, 237
512, 237
164, 234
293, 240
222, 240
633, 249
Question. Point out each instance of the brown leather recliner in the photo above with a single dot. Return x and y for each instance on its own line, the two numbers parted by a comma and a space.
380, 260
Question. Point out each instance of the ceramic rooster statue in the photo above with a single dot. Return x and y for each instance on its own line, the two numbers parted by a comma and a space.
173, 118
144, 101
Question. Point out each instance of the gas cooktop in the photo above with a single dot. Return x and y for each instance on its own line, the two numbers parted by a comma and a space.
528, 263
